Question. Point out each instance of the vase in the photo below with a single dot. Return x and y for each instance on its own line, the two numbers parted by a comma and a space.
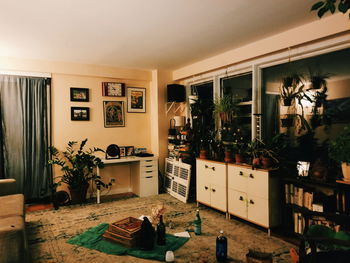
238, 158
78, 195
346, 171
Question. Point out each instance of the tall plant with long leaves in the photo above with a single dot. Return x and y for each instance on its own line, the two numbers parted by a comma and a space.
77, 164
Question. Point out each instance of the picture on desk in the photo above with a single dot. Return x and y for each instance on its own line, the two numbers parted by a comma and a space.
129, 150
122, 151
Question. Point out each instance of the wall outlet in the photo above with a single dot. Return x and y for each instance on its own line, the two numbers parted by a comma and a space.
113, 180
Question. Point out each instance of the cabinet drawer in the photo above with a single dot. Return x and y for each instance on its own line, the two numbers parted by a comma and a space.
148, 163
237, 203
258, 184
218, 197
237, 178
258, 210
149, 173
147, 169
215, 172
149, 185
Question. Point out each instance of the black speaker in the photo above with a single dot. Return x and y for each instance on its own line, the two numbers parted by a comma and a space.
113, 152
176, 93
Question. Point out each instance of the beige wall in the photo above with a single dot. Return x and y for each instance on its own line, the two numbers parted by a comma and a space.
322, 28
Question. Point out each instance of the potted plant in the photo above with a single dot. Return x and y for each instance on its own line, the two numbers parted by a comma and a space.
254, 149
287, 120
77, 166
318, 82
226, 108
239, 146
339, 150
292, 87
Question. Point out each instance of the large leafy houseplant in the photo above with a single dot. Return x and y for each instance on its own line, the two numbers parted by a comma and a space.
339, 150
77, 166
226, 108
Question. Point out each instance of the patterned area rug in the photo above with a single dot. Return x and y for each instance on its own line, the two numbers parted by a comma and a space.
49, 230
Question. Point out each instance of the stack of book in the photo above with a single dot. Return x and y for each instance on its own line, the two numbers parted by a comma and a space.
125, 231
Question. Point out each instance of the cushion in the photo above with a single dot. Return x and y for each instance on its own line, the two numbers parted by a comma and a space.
12, 240
11, 205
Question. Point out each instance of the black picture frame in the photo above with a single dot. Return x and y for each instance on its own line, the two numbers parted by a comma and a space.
79, 94
129, 150
80, 113
136, 100
113, 112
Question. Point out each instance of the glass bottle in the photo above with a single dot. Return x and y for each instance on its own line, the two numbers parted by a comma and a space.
198, 224
147, 235
221, 247
161, 232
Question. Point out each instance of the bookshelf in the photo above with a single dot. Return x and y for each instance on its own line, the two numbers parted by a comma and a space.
310, 202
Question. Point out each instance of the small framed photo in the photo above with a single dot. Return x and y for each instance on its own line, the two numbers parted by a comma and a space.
113, 112
122, 151
79, 94
80, 113
303, 168
129, 150
113, 89
137, 100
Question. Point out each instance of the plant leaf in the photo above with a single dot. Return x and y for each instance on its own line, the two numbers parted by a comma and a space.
317, 5
322, 11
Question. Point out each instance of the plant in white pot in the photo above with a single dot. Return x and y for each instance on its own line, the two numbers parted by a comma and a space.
77, 166
339, 150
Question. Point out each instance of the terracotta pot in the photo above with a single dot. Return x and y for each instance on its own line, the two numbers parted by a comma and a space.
256, 162
203, 154
346, 171
238, 158
78, 195
228, 157
266, 162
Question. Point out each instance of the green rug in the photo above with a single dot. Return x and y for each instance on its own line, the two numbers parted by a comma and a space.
93, 239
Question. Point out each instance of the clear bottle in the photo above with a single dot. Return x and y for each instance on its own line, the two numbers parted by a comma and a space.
161, 232
221, 247
198, 224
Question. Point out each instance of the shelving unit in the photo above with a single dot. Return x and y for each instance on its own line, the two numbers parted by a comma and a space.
315, 202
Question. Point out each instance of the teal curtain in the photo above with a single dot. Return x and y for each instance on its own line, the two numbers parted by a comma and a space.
25, 133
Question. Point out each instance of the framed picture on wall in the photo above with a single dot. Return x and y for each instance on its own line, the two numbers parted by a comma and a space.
113, 112
113, 89
80, 113
129, 150
137, 100
79, 94
122, 151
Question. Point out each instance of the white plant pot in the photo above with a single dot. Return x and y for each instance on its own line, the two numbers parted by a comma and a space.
346, 171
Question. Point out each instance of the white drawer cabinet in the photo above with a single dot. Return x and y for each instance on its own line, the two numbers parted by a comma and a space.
253, 195
212, 184
144, 177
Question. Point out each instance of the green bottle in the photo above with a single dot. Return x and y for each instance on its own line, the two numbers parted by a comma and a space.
198, 224
161, 232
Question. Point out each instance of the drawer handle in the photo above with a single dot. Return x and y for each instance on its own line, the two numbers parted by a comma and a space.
149, 165
149, 177
241, 198
251, 202
251, 176
206, 187
213, 190
207, 167
149, 171
148, 161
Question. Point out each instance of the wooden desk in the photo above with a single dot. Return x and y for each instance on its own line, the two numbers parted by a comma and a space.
143, 174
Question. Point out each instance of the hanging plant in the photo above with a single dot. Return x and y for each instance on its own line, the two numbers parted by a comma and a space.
291, 87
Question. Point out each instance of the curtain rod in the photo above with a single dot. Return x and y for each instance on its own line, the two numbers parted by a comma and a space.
26, 73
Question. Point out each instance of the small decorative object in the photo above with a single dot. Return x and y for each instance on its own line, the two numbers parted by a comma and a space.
147, 235
79, 94
113, 152
129, 150
137, 100
113, 114
157, 211
113, 89
303, 168
77, 166
122, 151
169, 256
80, 113
319, 170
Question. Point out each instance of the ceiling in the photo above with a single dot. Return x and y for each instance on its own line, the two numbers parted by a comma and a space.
143, 34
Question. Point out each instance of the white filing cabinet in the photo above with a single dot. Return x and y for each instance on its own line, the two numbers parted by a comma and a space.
144, 176
253, 195
212, 184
